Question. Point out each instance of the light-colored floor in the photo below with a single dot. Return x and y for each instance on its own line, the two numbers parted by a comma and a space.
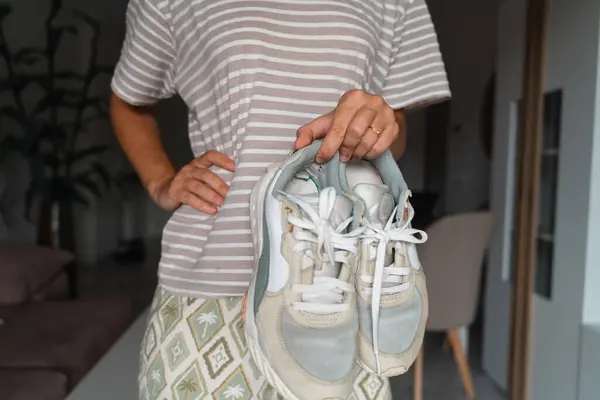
138, 281
441, 379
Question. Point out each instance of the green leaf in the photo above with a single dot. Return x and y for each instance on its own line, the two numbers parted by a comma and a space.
97, 113
14, 113
67, 125
87, 152
21, 80
78, 197
52, 160
102, 173
58, 98
29, 56
54, 134
5, 11
87, 182
9, 145
68, 29
88, 20
98, 105
37, 169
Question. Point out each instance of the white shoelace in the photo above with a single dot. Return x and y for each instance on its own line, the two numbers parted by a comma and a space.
326, 294
378, 238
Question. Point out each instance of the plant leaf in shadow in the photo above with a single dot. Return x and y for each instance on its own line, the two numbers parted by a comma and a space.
50, 134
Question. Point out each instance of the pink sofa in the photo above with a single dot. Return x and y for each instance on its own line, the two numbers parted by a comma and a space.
29, 273
49, 341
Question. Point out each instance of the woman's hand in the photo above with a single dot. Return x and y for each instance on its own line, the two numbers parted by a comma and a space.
361, 126
195, 185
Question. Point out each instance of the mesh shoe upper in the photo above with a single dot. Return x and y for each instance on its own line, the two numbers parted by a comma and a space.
307, 323
391, 298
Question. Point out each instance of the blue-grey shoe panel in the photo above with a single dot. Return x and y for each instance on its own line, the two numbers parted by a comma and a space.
327, 354
397, 325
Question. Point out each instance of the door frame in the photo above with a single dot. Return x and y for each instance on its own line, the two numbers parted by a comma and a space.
527, 207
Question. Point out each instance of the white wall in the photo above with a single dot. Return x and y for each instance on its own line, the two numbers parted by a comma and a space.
572, 66
591, 311
589, 386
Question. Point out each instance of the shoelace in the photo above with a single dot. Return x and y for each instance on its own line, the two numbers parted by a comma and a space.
326, 294
381, 237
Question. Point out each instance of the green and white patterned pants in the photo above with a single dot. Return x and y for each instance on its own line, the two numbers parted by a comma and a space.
194, 349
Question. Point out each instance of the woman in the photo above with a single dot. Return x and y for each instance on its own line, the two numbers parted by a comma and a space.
251, 73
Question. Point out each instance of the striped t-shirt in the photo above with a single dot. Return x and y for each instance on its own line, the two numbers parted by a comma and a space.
251, 72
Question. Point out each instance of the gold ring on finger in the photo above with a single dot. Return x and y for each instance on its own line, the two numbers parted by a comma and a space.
378, 132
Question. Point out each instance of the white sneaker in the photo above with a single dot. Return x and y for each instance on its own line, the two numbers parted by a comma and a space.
300, 315
392, 299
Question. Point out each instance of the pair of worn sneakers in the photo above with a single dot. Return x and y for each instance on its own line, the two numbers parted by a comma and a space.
338, 284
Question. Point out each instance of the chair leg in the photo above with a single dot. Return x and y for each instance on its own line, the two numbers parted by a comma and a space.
418, 376
463, 365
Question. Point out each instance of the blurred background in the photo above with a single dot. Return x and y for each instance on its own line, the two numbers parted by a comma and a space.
79, 238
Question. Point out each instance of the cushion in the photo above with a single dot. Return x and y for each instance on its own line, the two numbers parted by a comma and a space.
27, 269
26, 384
66, 336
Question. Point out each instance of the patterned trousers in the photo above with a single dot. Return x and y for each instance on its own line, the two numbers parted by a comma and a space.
194, 349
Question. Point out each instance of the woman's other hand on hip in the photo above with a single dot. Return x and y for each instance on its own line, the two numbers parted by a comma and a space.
195, 185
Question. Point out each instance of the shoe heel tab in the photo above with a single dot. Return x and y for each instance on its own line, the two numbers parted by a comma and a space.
390, 173
332, 175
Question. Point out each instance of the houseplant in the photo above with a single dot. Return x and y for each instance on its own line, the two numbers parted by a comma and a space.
50, 132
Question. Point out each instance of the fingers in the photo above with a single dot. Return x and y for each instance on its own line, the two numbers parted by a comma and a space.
199, 187
213, 157
371, 135
366, 144
357, 131
198, 204
312, 131
208, 185
347, 129
342, 117
387, 137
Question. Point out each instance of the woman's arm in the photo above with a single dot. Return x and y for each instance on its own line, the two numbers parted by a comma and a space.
137, 132
194, 184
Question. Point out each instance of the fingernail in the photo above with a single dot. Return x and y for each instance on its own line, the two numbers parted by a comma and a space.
319, 160
344, 157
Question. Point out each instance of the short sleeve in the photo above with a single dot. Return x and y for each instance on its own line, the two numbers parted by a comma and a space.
143, 74
417, 76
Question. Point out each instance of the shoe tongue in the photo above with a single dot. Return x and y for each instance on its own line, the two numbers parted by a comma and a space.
342, 208
306, 184
379, 201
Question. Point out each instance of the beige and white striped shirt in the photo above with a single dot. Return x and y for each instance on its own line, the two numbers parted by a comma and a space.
251, 72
